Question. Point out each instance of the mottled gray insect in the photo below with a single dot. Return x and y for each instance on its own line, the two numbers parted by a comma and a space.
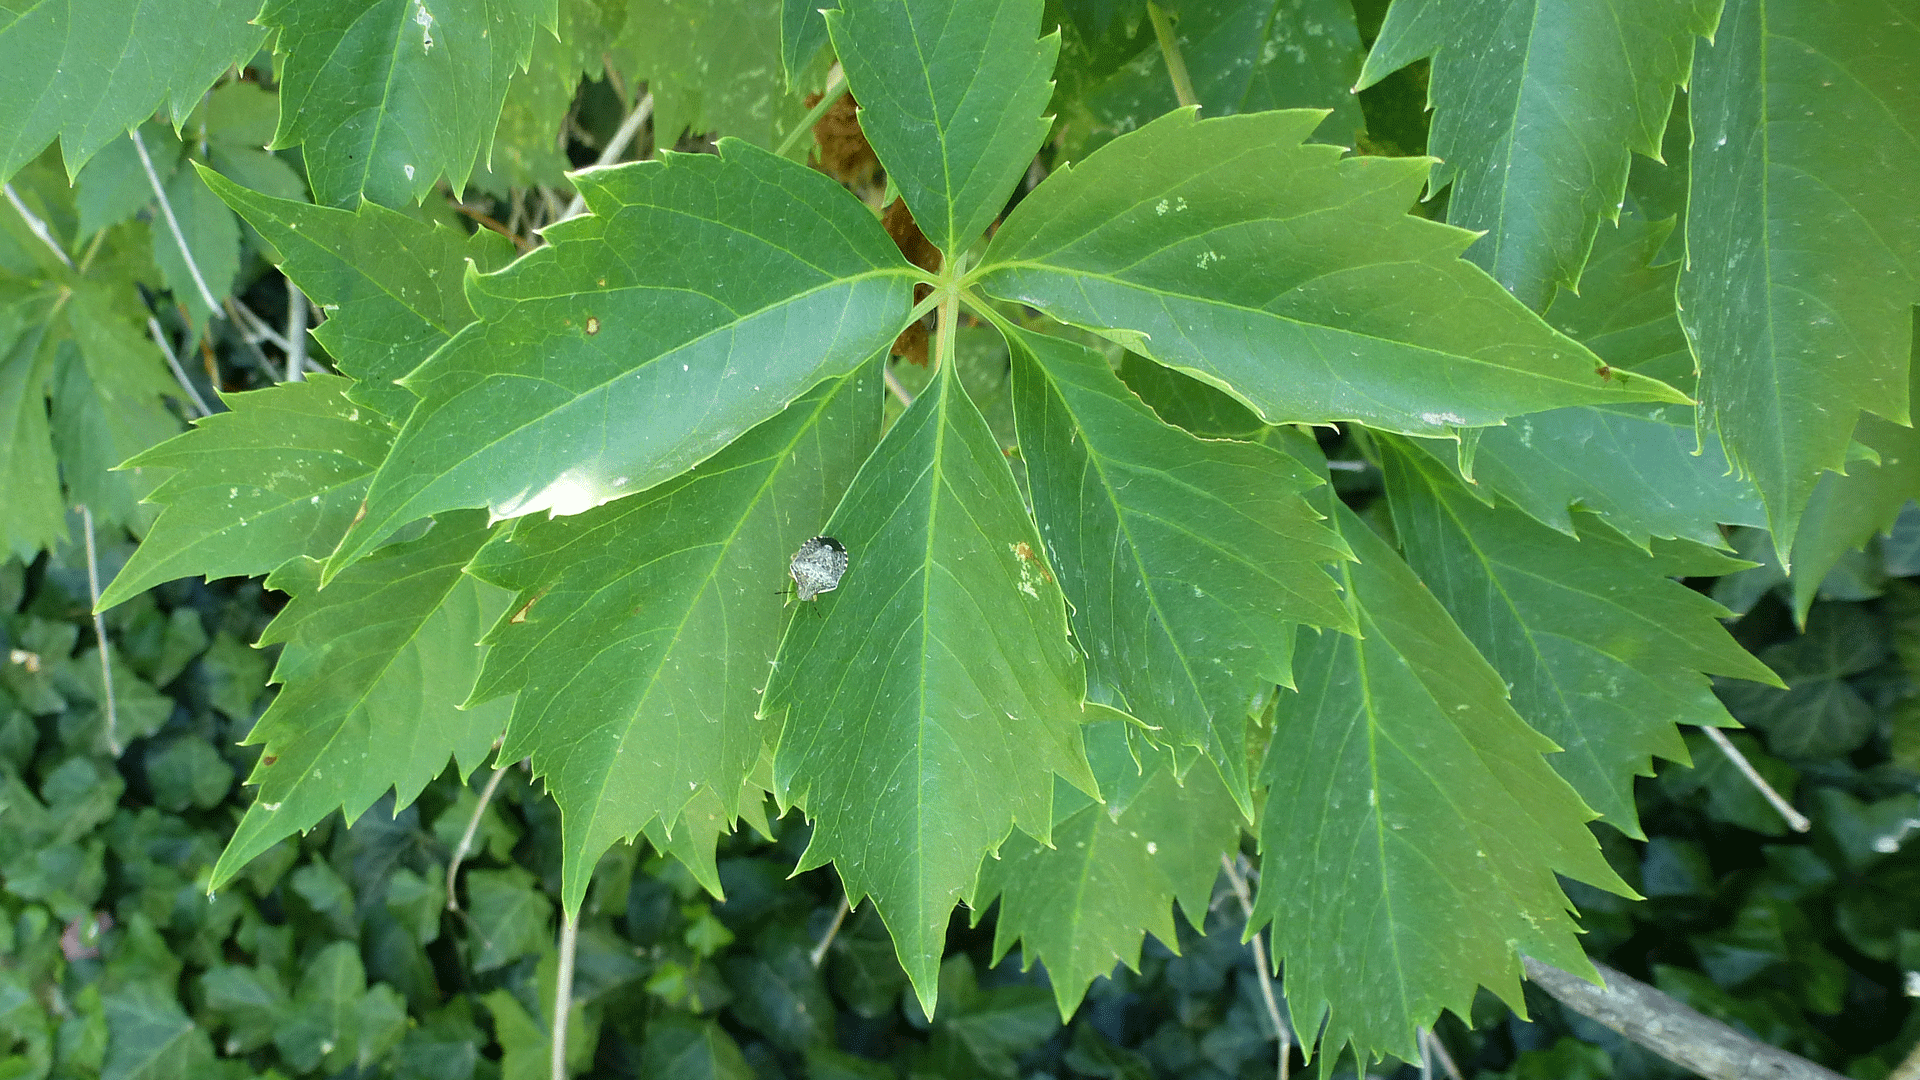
817, 566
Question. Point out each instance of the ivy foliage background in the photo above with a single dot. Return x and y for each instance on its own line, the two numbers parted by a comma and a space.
1211, 498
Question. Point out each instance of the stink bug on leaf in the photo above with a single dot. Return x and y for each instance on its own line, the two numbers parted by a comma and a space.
817, 566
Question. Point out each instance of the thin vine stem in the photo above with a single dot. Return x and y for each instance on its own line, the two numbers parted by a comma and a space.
465, 846
38, 227
835, 80
1798, 821
563, 992
296, 334
819, 953
100, 632
1280, 1030
615, 147
1170, 51
198, 404
173, 224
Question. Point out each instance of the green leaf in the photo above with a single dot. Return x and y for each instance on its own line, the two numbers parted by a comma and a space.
150, 1038
681, 1048
86, 72
642, 630
929, 701
803, 33
1625, 310
951, 95
1803, 255
1291, 277
510, 917
983, 1029
1645, 469
1412, 828
712, 65
322, 1026
1187, 563
1602, 652
1242, 55
1816, 713
108, 402
250, 1002
187, 772
1848, 509
1536, 107
36, 516
372, 674
695, 836
391, 285
212, 238
1114, 870
279, 476
114, 186
704, 294
386, 96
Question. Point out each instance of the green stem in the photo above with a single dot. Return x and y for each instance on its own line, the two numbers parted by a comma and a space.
1170, 49
835, 86
943, 334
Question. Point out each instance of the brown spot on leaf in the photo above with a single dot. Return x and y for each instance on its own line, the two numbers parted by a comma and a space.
593, 326
1605, 372
269, 759
521, 615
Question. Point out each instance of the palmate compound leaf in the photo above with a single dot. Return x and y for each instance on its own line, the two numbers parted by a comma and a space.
372, 674
1290, 276
1803, 252
384, 97
1538, 106
930, 701
279, 475
951, 95
1115, 869
1412, 827
1604, 653
702, 295
391, 284
641, 631
88, 71
1187, 562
